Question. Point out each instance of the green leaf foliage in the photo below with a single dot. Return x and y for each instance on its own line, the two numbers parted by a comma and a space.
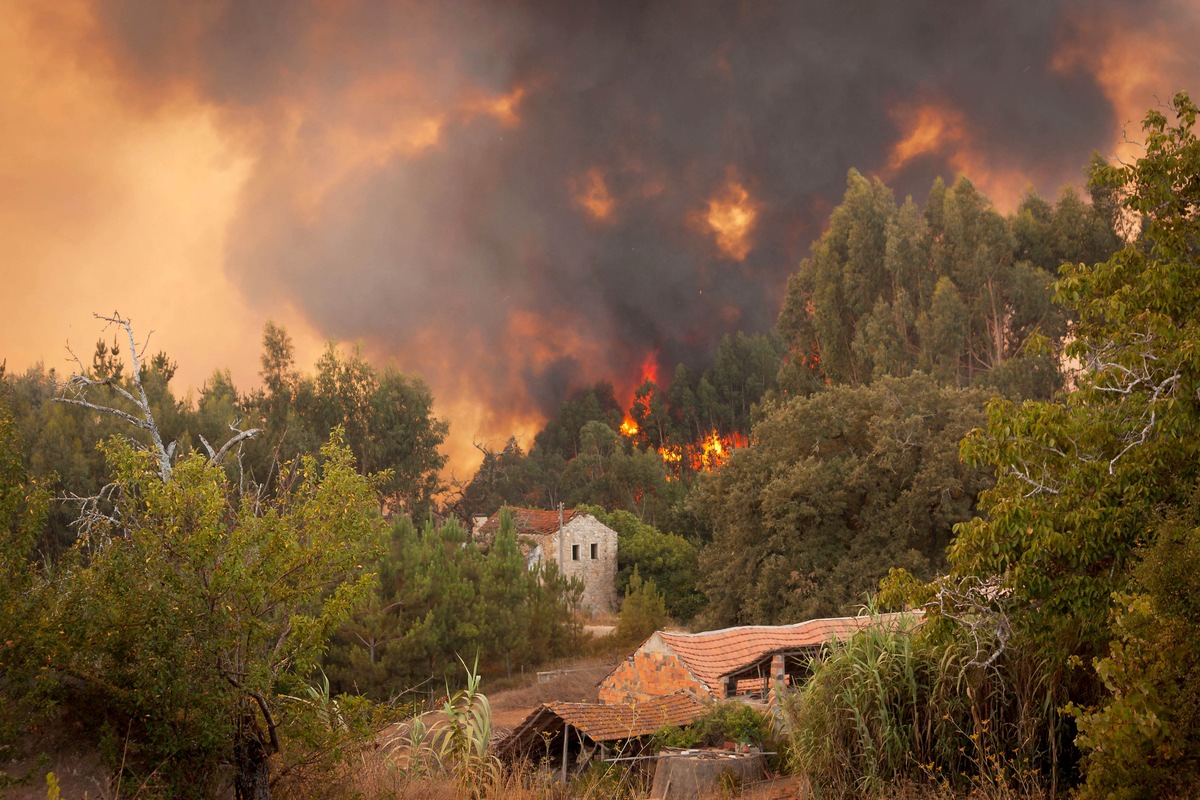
954, 289
1144, 739
191, 602
835, 489
1086, 483
643, 610
24, 506
441, 598
1080, 481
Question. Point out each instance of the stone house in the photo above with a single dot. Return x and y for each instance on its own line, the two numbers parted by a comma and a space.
747, 661
582, 547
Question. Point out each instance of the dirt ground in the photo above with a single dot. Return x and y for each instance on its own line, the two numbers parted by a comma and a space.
76, 765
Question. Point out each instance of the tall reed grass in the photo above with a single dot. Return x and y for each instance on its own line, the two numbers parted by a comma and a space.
905, 706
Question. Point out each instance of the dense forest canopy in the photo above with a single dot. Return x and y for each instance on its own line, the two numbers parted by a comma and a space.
800, 471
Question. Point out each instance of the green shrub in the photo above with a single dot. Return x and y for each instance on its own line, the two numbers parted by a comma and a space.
726, 722
1145, 740
901, 706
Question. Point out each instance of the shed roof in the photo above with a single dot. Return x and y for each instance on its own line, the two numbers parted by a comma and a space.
714, 655
529, 521
603, 722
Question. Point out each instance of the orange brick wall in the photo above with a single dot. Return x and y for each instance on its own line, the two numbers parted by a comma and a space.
645, 675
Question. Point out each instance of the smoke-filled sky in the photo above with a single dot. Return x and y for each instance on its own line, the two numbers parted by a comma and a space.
512, 199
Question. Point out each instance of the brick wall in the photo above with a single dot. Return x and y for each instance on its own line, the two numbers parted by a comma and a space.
648, 674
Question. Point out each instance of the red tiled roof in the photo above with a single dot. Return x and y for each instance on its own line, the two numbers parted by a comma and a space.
714, 654
604, 722
528, 521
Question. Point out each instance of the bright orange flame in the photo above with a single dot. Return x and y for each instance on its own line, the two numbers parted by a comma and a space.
591, 194
706, 455
731, 217
649, 374
650, 367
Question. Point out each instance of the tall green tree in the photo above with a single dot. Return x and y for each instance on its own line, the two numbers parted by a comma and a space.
834, 490
387, 418
1083, 483
954, 289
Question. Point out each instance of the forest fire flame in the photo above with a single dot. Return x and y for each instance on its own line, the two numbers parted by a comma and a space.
629, 427
707, 455
704, 455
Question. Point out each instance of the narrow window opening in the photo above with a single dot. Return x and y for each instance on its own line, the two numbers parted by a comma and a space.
574, 552
595, 551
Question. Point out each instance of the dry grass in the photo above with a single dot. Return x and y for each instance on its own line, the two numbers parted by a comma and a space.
578, 683
489, 785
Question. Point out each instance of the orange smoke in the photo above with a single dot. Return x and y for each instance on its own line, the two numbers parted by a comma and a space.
591, 194
934, 127
1137, 67
503, 107
731, 217
930, 128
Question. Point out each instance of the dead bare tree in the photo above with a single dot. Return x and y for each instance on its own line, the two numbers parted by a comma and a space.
79, 385
79, 389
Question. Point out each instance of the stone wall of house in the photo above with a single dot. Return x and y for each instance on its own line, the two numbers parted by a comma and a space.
589, 552
647, 674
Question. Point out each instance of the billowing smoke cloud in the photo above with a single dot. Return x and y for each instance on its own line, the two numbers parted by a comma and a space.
519, 198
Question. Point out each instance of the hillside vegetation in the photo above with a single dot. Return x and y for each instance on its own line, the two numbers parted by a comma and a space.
992, 418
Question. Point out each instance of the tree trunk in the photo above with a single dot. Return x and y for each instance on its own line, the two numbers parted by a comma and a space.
250, 757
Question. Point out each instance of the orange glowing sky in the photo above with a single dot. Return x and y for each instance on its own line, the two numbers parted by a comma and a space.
141, 191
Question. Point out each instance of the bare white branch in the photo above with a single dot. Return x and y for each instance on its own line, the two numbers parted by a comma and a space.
978, 606
80, 383
241, 436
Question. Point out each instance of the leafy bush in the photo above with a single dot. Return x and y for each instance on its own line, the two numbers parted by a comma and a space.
898, 706
1145, 739
188, 609
726, 722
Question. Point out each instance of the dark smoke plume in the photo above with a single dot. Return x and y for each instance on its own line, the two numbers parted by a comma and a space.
421, 168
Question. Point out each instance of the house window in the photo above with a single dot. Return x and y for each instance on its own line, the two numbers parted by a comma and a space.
574, 552
595, 551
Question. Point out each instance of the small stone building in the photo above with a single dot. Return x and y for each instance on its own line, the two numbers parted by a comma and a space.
751, 660
582, 547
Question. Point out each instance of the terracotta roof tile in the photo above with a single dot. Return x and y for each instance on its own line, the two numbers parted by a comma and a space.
605, 722
711, 655
528, 521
